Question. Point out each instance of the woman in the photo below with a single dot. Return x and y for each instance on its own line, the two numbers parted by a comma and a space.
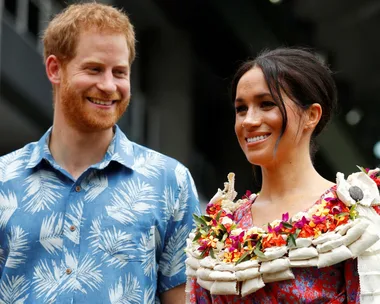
283, 99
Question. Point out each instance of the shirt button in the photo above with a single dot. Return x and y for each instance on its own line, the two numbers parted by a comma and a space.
78, 188
68, 271
72, 228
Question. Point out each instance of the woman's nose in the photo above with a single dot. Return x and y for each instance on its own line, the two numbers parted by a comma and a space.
252, 119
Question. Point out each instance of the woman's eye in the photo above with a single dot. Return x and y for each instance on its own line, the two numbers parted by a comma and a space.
268, 104
240, 109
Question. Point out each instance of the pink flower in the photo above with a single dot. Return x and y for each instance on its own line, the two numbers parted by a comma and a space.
247, 194
336, 209
318, 219
285, 217
302, 222
332, 200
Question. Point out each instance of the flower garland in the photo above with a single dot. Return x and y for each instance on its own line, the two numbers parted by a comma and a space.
217, 233
220, 255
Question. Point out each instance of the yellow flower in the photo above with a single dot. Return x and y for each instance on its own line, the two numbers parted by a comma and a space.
321, 210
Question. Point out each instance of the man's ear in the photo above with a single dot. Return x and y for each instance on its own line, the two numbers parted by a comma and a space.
313, 116
53, 70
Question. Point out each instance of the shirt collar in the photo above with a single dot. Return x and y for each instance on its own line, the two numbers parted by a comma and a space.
120, 150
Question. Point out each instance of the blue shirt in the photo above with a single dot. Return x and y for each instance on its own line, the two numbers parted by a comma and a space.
115, 235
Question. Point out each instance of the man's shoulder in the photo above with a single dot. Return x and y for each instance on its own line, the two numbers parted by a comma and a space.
21, 153
140, 152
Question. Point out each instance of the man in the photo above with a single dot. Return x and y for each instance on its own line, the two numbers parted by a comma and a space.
87, 216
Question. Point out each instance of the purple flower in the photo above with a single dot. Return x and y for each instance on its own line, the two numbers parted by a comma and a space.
302, 222
285, 217
318, 219
336, 209
332, 199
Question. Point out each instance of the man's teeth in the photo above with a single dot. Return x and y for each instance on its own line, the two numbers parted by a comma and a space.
257, 138
100, 102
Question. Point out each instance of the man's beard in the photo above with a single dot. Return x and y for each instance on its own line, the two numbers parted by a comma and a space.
85, 118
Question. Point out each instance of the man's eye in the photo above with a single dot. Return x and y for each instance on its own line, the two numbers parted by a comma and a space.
120, 73
94, 69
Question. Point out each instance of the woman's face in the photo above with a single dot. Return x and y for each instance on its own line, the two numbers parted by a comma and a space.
259, 121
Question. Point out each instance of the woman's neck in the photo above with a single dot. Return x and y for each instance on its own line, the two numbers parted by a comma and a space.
75, 151
291, 180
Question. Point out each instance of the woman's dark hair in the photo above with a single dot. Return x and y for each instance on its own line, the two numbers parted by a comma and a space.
301, 76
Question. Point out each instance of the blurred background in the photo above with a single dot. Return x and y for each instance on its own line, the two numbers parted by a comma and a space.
187, 52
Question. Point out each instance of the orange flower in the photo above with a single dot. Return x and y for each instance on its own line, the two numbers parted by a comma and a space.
306, 232
272, 240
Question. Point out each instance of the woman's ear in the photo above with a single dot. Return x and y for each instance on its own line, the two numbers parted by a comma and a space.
313, 116
53, 69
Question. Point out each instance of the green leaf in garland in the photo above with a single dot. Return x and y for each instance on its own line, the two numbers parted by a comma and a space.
298, 230
203, 232
197, 236
353, 212
212, 254
287, 225
202, 255
218, 215
225, 236
362, 169
199, 220
245, 257
292, 240
207, 218
258, 251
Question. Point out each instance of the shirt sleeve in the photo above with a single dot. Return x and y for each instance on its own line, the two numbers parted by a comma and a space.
171, 272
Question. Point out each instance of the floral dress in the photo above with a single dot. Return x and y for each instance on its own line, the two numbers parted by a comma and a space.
335, 284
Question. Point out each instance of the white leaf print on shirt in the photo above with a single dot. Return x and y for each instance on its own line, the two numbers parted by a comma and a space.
2, 257
168, 201
12, 165
95, 234
175, 208
35, 154
183, 179
127, 293
148, 243
43, 190
129, 201
126, 145
149, 164
116, 157
180, 174
51, 233
13, 290
149, 295
46, 280
85, 274
18, 244
171, 260
180, 206
94, 184
74, 218
117, 247
8, 205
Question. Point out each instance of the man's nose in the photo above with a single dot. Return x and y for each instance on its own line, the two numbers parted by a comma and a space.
107, 83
